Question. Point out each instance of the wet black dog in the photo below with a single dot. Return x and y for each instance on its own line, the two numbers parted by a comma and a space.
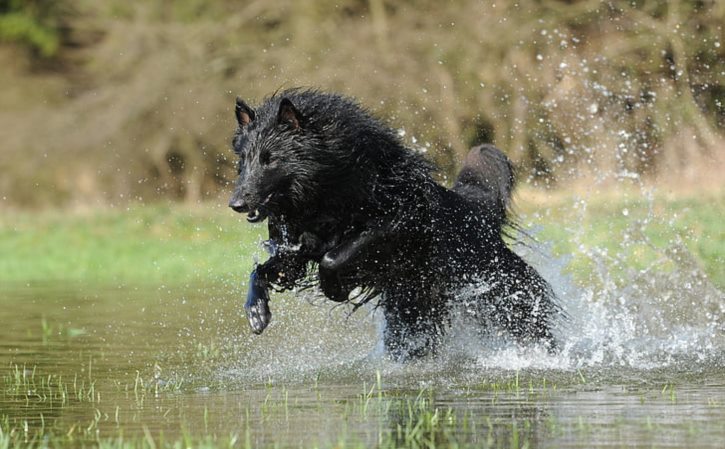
350, 207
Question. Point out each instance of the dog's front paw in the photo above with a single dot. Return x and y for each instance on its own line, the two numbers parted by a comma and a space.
258, 316
257, 305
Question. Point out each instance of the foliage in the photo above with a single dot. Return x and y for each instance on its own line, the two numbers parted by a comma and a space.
590, 89
33, 23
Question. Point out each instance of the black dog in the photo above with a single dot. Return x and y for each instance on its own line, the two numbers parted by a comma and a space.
346, 198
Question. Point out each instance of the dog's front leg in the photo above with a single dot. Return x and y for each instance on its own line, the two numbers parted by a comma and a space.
257, 304
373, 241
283, 270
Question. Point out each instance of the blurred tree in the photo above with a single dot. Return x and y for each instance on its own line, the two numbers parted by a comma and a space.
35, 24
569, 89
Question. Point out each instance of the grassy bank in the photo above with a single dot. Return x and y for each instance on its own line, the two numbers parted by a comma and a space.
176, 244
141, 244
625, 231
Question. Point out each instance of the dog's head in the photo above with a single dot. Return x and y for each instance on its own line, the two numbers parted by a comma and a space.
275, 162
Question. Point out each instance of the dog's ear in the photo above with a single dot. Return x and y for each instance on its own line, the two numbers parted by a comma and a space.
244, 113
289, 114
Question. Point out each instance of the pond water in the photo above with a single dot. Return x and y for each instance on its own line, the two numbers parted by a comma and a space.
637, 368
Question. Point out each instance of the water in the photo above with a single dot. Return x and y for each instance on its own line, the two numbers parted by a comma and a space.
638, 368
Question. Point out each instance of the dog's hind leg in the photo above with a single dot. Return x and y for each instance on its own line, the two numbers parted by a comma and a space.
413, 327
523, 303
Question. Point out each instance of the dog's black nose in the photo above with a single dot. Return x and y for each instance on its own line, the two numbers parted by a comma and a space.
238, 205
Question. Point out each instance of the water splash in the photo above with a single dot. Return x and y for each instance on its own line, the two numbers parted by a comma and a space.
667, 314
662, 314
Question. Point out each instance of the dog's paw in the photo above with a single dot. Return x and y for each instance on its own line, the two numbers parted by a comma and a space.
257, 305
259, 316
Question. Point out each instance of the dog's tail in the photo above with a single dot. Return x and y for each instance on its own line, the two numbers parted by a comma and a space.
487, 178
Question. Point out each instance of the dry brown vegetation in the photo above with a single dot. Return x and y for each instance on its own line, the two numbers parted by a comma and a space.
136, 101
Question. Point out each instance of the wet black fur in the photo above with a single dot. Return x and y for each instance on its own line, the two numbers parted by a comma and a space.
350, 206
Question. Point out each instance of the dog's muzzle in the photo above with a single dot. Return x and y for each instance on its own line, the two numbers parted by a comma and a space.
254, 215
238, 205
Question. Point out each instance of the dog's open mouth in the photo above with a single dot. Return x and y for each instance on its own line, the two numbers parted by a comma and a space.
260, 213
256, 215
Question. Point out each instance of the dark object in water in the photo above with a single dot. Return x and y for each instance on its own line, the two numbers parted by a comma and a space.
350, 208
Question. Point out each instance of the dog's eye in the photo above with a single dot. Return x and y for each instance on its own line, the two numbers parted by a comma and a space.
264, 157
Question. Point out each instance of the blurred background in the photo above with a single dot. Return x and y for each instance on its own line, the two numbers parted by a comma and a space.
105, 102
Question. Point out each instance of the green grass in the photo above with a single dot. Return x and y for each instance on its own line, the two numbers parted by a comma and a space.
176, 244
628, 232
391, 418
142, 244
505, 412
